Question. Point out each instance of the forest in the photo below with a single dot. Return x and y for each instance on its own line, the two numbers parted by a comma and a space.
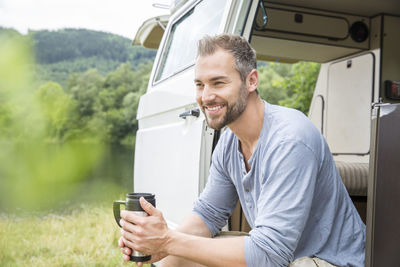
87, 84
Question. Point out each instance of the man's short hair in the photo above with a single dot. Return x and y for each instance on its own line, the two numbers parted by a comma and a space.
244, 54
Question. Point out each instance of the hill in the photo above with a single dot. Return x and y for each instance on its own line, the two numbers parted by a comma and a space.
63, 52
60, 53
87, 86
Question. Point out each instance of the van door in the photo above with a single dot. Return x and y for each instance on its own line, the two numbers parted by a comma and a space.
383, 217
173, 143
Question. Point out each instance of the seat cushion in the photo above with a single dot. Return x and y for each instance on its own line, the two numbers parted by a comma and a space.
354, 176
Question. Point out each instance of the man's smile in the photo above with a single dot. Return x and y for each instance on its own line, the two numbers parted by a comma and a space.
214, 109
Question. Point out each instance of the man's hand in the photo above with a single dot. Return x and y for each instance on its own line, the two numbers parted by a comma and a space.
148, 235
128, 252
125, 250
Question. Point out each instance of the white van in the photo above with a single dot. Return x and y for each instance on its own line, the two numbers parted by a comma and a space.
355, 103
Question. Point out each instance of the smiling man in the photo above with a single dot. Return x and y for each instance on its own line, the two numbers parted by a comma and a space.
270, 158
229, 86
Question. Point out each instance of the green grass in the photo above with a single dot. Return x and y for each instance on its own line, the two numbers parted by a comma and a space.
84, 236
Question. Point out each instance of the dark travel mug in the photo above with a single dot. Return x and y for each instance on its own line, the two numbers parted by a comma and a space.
132, 204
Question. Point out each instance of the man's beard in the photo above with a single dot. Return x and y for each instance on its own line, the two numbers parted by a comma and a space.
233, 111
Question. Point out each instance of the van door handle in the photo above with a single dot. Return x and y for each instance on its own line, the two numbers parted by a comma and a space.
193, 112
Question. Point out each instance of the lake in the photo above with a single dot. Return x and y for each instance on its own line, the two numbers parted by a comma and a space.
110, 178
57, 177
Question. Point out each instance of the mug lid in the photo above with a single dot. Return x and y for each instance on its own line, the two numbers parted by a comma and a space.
139, 195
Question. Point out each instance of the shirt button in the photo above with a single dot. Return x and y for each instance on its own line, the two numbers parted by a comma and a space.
247, 190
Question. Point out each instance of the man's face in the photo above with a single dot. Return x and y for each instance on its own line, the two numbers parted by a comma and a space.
220, 92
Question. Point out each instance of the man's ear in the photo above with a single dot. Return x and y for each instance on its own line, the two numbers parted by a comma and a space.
252, 81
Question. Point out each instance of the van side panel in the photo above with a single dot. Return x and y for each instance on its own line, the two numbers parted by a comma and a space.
390, 52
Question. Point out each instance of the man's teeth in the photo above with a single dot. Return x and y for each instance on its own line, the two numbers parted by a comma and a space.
214, 108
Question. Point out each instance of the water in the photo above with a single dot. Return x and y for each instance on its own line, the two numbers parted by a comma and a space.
111, 178
49, 178
116, 166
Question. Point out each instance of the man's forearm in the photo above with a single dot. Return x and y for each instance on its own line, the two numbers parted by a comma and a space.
193, 225
207, 251
186, 246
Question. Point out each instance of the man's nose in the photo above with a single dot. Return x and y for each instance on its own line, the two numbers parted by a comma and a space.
208, 94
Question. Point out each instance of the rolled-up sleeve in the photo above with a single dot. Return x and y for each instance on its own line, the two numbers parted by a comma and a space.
283, 206
218, 198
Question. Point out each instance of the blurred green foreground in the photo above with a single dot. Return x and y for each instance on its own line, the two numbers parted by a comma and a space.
35, 175
53, 210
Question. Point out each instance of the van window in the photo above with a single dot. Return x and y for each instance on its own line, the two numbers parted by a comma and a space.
180, 51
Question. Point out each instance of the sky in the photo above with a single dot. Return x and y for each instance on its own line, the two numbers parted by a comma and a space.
122, 17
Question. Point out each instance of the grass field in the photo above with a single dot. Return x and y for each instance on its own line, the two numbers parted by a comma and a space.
84, 236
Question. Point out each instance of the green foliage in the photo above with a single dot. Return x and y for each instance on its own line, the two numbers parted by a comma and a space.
15, 82
84, 88
62, 70
288, 85
57, 109
268, 77
109, 105
300, 86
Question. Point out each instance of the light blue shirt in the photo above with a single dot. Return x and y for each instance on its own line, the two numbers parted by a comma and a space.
293, 197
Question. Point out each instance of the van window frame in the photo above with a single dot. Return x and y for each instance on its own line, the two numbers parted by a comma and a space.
161, 58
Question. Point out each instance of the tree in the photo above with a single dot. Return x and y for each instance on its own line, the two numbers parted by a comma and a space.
269, 77
300, 86
107, 107
85, 89
56, 107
